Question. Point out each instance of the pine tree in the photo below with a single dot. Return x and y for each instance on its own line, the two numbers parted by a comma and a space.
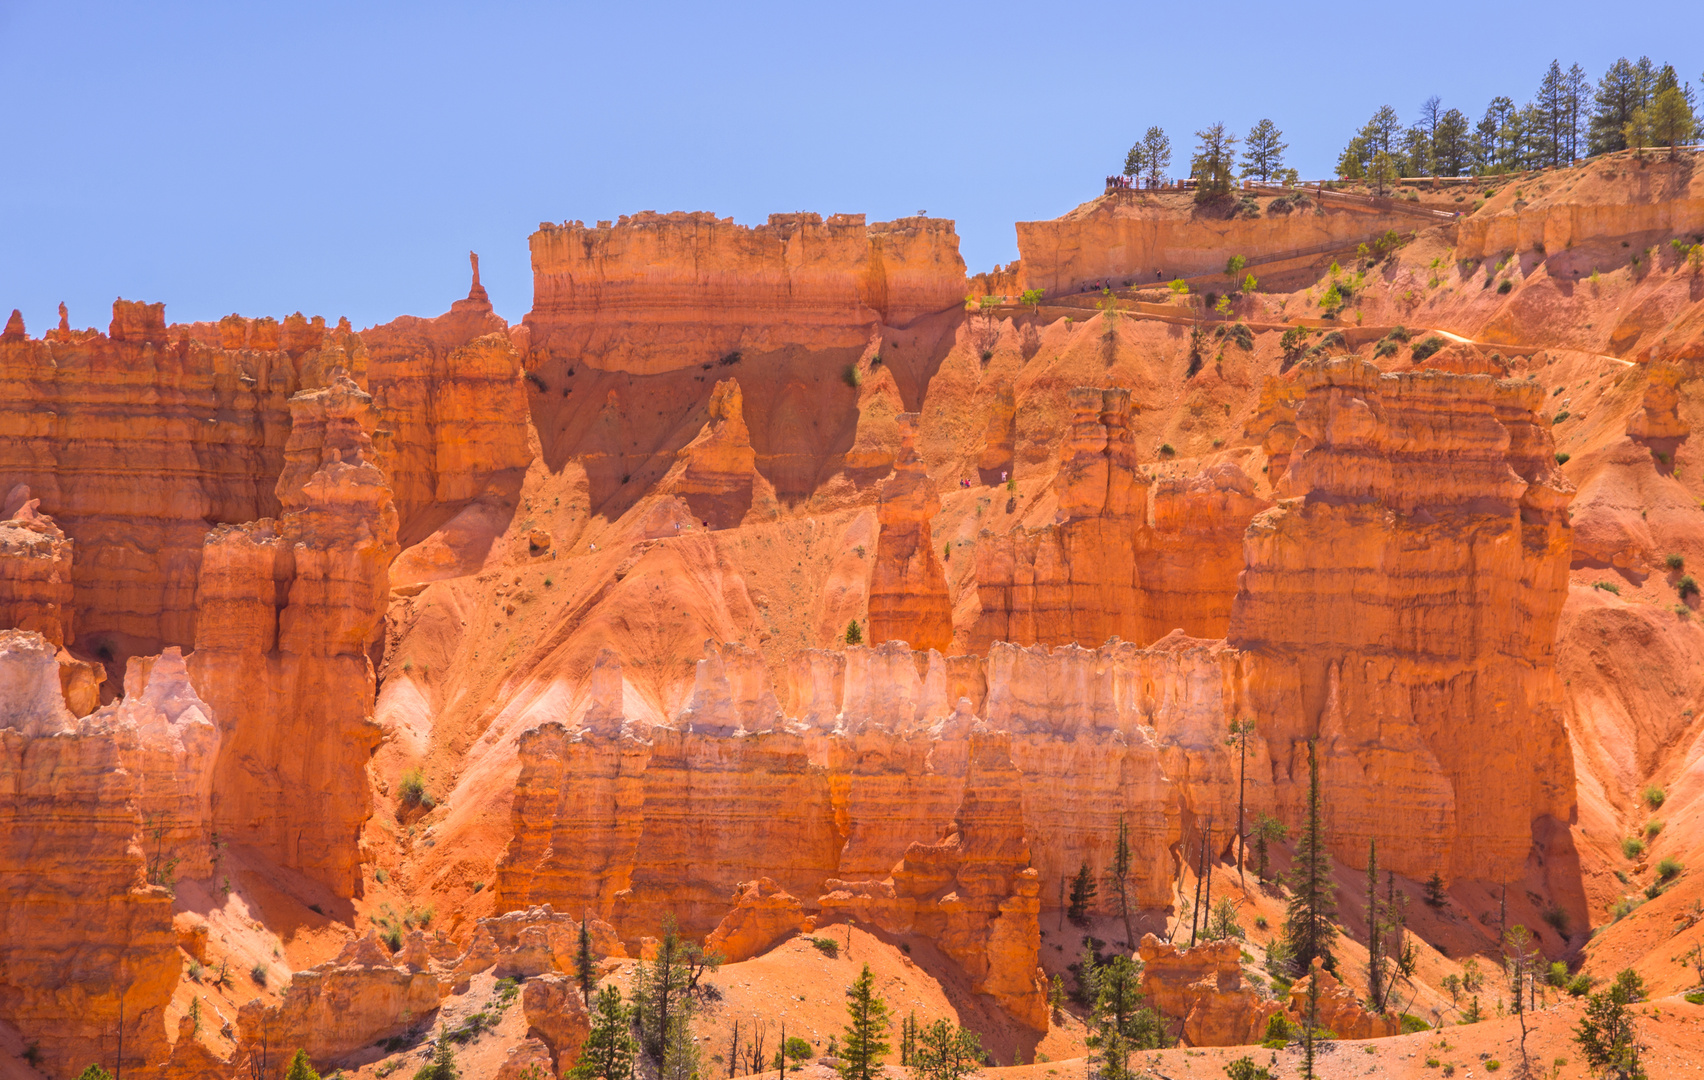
1621, 92
1157, 153
867, 1021
1308, 928
301, 1068
585, 969
1671, 120
1136, 160
1606, 1035
1383, 171
662, 1003
854, 633
1435, 894
1118, 874
607, 1053
1375, 920
443, 1064
1552, 113
1263, 152
1083, 891
1120, 1023
1578, 88
1453, 143
1498, 136
94, 1072
1267, 830
1214, 164
946, 1051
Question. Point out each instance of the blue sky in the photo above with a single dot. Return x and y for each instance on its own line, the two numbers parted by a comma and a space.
341, 159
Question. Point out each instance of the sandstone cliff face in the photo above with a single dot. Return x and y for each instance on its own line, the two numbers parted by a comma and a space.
289, 611
908, 587
657, 292
1650, 196
83, 937
1136, 235
882, 759
1387, 603
1131, 557
35, 571
450, 395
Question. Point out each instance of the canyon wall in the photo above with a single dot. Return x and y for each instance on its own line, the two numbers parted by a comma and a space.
1134, 556
291, 614
1147, 238
99, 816
1400, 603
658, 292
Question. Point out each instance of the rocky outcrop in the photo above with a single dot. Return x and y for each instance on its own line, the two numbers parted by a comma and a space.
717, 469
363, 996
763, 914
170, 743
289, 612
84, 938
1203, 989
1389, 605
908, 584
449, 391
658, 292
1656, 197
1145, 237
556, 1015
35, 571
1339, 1009
1132, 556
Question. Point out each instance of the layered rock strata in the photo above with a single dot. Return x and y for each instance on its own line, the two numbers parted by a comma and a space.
908, 584
657, 292
86, 937
1202, 990
291, 611
1132, 556
1389, 605
35, 571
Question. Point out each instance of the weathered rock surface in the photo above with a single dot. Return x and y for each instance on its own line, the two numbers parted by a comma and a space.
1203, 988
35, 571
1386, 603
556, 1016
763, 914
908, 587
82, 934
1339, 1009
290, 611
657, 292
1132, 556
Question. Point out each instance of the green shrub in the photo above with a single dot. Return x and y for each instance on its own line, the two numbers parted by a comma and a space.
1279, 1029
1580, 985
1428, 347
258, 974
1557, 917
829, 947
852, 376
411, 789
1504, 286
1674, 562
1561, 458
1696, 997
854, 633
1334, 340
1632, 847
1412, 1023
1493, 1065
1685, 586
1385, 348
1607, 586
1669, 869
1167, 450
1652, 828
1561, 416
1653, 796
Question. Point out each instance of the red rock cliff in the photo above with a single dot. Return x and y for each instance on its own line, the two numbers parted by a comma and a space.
656, 292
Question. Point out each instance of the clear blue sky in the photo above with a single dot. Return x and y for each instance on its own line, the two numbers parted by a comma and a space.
341, 159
